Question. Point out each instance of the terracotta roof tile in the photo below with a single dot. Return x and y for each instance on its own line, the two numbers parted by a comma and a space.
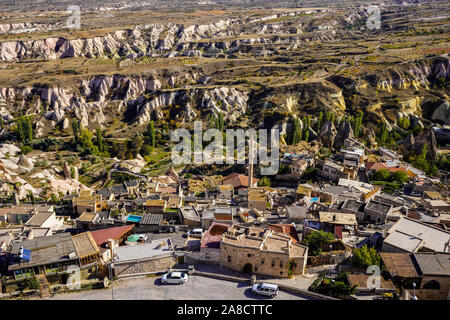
102, 236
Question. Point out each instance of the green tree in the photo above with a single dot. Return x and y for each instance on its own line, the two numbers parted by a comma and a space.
403, 123
381, 175
25, 129
134, 145
264, 182
316, 240
72, 172
31, 283
294, 135
383, 133
146, 150
85, 141
306, 136
319, 124
358, 124
309, 174
364, 257
220, 121
76, 128
151, 134
119, 149
400, 177
100, 144
54, 198
421, 161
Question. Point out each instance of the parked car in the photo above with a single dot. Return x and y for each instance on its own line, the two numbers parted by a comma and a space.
174, 277
143, 237
266, 289
195, 233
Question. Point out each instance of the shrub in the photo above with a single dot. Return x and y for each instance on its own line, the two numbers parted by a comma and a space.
316, 240
25, 149
381, 175
400, 177
364, 257
264, 182
403, 123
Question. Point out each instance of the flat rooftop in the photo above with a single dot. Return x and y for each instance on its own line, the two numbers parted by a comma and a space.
45, 250
433, 264
338, 218
143, 251
378, 206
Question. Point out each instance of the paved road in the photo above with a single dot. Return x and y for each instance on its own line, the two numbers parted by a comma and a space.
197, 288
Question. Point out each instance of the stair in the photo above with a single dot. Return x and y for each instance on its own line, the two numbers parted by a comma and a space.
44, 286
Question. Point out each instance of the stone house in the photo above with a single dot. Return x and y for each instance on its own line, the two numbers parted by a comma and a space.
354, 206
334, 171
155, 206
86, 201
377, 212
262, 251
257, 199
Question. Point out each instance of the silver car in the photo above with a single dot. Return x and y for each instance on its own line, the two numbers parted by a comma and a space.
266, 289
174, 277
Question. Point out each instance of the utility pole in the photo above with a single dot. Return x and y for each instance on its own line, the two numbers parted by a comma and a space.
414, 286
111, 243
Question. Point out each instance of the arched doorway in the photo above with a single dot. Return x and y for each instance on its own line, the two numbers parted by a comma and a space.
433, 284
247, 268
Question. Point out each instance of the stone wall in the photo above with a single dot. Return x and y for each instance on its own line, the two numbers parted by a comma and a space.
444, 283
205, 255
333, 257
143, 266
253, 260
374, 216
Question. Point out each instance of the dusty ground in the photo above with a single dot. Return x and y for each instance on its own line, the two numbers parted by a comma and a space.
197, 288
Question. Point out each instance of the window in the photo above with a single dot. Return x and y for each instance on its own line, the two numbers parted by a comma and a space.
273, 263
262, 261
249, 255
229, 258
281, 264
256, 268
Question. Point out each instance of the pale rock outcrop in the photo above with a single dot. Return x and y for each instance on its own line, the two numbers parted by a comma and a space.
25, 163
327, 134
344, 132
442, 113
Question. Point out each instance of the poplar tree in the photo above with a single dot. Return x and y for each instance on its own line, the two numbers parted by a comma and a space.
151, 134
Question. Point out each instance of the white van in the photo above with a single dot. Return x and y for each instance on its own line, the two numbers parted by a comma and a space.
195, 233
266, 289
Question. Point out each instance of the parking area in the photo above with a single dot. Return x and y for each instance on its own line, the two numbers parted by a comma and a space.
197, 288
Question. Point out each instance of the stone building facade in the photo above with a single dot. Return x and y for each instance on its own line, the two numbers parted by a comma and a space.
262, 251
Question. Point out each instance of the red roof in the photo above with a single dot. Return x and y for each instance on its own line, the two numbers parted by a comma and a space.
376, 166
102, 236
237, 180
212, 237
395, 169
288, 229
